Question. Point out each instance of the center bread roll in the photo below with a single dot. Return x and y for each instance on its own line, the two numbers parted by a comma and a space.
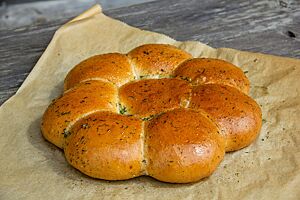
150, 97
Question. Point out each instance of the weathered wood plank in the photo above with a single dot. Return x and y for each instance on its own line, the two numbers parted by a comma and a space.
246, 25
17, 13
255, 26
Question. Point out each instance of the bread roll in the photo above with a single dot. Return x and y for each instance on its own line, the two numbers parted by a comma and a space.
156, 59
87, 97
106, 145
152, 96
213, 71
183, 146
113, 67
238, 116
155, 111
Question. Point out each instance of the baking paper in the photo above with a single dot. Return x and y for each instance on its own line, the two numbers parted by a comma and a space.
32, 168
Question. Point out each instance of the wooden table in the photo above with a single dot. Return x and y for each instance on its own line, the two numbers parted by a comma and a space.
261, 26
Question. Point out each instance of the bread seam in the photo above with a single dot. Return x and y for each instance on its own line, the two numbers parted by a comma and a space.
144, 160
189, 100
118, 102
155, 76
173, 71
133, 69
90, 79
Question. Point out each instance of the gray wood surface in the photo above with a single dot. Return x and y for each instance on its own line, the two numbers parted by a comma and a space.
263, 26
17, 13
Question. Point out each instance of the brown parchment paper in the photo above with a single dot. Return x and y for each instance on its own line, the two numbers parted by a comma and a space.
32, 168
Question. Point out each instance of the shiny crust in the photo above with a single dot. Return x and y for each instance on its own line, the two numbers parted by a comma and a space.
87, 97
152, 96
154, 111
238, 116
112, 67
213, 71
183, 146
106, 145
157, 59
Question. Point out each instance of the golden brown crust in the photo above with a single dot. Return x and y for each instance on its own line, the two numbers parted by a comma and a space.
157, 59
213, 71
113, 67
85, 98
238, 116
107, 146
183, 146
153, 96
182, 124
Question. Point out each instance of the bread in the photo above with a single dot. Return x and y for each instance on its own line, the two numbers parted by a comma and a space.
85, 98
155, 111
112, 67
213, 71
106, 145
183, 146
238, 116
158, 59
150, 97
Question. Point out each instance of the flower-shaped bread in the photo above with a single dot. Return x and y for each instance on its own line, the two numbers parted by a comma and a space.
155, 111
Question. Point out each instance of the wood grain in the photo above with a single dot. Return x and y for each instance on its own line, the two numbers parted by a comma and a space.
261, 26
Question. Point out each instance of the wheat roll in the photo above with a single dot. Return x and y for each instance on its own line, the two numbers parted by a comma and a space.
183, 146
238, 116
213, 71
107, 146
112, 67
153, 96
157, 59
86, 97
